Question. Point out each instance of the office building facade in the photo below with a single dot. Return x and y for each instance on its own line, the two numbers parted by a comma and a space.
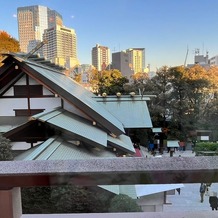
214, 61
120, 61
136, 58
32, 21
100, 57
61, 47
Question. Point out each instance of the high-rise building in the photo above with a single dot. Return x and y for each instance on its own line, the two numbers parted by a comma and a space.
214, 60
61, 46
32, 21
100, 57
136, 59
120, 61
200, 59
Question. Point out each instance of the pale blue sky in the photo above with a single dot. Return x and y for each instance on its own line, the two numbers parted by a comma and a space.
163, 27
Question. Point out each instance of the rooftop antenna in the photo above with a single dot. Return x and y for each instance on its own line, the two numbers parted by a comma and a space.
114, 49
197, 51
35, 49
203, 48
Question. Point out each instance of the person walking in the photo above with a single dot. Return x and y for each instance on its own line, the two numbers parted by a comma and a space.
202, 191
213, 200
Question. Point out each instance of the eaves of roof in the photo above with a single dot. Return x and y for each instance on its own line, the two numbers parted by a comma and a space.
122, 142
82, 128
77, 126
56, 148
135, 191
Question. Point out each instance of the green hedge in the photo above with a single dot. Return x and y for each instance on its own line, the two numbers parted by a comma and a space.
206, 146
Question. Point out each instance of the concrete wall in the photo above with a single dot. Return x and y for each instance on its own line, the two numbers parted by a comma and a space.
152, 203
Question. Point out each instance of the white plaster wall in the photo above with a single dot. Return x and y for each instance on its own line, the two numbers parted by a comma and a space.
10, 92
171, 192
152, 203
21, 81
45, 103
148, 208
32, 81
22, 145
46, 91
8, 105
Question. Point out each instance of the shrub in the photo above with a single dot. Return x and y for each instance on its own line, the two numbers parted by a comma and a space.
5, 149
206, 146
123, 203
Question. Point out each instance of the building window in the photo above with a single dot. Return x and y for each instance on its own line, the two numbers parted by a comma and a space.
31, 91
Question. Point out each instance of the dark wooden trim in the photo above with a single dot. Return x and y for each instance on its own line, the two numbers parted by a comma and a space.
28, 95
27, 112
44, 96
28, 91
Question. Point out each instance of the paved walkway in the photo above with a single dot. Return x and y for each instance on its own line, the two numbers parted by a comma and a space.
189, 199
187, 153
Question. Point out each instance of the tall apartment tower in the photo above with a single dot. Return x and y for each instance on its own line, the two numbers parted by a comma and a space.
136, 59
100, 57
32, 21
61, 47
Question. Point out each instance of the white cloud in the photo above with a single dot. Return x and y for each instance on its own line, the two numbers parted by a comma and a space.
72, 16
14, 15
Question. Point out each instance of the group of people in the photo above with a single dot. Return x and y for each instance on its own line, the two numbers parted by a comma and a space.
213, 200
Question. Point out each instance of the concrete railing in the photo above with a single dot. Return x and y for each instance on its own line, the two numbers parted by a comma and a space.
15, 174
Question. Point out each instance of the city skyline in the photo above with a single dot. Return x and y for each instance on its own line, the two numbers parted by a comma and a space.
165, 28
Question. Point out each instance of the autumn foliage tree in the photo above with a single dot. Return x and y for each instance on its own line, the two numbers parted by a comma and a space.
8, 43
186, 99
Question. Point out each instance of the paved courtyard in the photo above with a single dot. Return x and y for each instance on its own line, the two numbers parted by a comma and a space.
189, 199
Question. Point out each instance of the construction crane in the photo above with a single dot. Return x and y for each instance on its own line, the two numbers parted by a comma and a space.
36, 48
186, 57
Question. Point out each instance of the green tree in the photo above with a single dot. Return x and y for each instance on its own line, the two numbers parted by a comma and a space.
123, 203
64, 199
107, 81
78, 199
180, 103
37, 200
185, 98
5, 149
161, 87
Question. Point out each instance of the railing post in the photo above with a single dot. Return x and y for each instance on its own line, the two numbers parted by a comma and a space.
10, 203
